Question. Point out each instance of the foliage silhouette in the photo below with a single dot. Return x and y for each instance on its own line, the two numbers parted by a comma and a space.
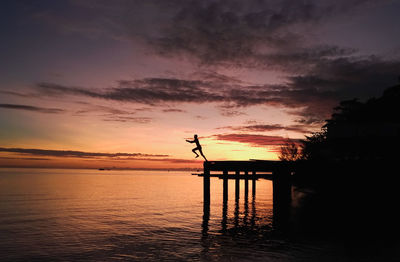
359, 131
289, 151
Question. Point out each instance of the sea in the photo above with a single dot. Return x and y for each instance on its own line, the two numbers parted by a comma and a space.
130, 215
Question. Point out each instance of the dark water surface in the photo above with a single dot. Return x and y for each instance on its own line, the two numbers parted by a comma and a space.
90, 215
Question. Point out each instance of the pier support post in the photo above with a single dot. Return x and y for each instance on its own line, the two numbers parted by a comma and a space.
246, 185
225, 186
237, 185
206, 185
237, 194
225, 201
253, 190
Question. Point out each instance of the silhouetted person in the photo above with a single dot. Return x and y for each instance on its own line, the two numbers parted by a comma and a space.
198, 147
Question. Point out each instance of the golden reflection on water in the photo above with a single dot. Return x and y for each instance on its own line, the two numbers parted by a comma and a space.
76, 214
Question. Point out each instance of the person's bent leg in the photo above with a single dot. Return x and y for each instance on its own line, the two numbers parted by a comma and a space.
194, 151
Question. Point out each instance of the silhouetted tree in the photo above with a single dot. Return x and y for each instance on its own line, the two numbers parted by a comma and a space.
358, 130
315, 146
289, 151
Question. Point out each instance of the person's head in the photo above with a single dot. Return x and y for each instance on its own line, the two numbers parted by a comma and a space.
195, 136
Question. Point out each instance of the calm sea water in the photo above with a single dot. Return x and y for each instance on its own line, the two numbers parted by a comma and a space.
90, 215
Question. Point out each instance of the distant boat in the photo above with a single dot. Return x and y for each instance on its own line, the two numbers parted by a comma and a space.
101, 168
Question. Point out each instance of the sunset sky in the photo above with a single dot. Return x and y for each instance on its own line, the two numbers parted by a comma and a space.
123, 83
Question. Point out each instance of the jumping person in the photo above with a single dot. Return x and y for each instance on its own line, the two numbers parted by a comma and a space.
198, 147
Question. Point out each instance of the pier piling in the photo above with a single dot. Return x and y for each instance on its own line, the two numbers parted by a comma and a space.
281, 177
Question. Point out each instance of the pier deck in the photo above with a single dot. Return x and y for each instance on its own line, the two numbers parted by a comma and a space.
234, 176
279, 172
243, 166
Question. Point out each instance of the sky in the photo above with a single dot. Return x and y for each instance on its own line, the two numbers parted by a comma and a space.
123, 83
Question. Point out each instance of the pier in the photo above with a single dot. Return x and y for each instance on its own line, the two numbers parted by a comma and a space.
277, 171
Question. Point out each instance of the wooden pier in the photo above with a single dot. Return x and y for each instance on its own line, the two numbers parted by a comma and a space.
277, 171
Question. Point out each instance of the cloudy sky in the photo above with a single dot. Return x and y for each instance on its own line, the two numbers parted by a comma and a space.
123, 83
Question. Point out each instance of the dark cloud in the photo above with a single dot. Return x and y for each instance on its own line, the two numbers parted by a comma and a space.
90, 108
199, 118
149, 91
352, 76
156, 91
170, 160
179, 161
213, 32
341, 79
26, 158
252, 139
232, 113
153, 159
12, 93
139, 120
91, 156
267, 128
70, 153
302, 60
230, 110
312, 95
255, 34
112, 114
92, 18
217, 78
173, 110
32, 108
248, 33
57, 89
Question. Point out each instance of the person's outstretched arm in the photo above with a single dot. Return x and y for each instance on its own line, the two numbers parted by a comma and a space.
190, 141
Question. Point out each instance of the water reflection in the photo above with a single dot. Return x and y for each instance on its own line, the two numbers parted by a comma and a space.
343, 224
224, 206
245, 218
246, 202
206, 218
242, 226
253, 205
144, 216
